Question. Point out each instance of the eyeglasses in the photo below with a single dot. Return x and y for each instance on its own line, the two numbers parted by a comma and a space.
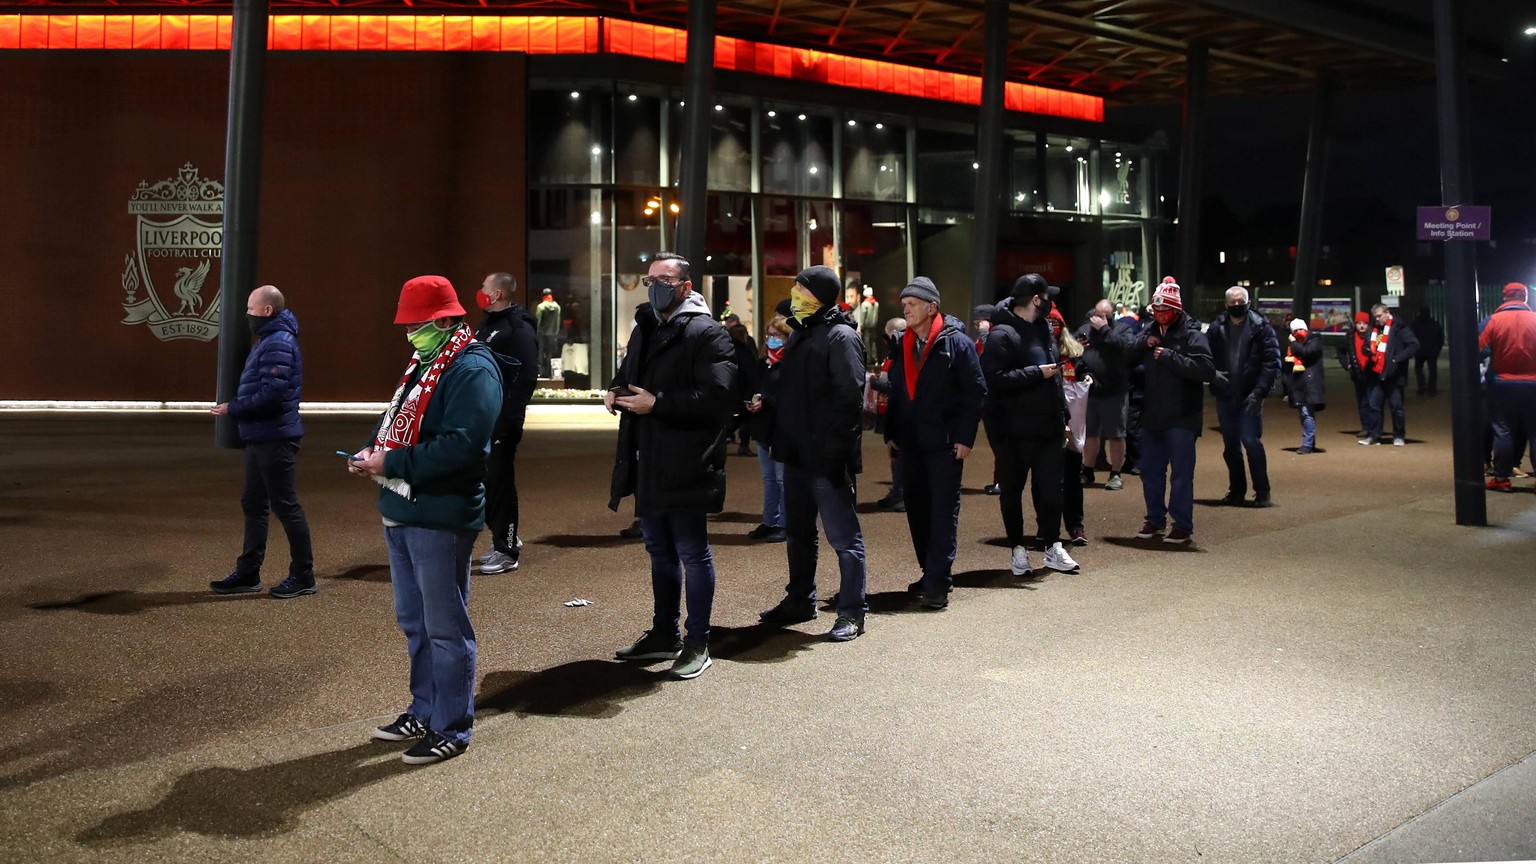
652, 281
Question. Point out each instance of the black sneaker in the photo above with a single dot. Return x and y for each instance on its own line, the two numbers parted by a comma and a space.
788, 612
760, 531
992, 489
405, 727
846, 629
1088, 479
775, 535
432, 748
1262, 499
234, 583
293, 586
651, 646
1233, 499
915, 588
934, 601
633, 532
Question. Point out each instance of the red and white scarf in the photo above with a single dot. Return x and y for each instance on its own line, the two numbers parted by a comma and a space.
1379, 338
401, 426
910, 366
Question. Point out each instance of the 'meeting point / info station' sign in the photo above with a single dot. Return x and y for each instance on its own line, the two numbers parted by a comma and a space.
1455, 223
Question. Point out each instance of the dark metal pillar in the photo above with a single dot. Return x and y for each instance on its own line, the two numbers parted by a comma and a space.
1187, 254
1309, 235
699, 94
990, 187
242, 191
1460, 274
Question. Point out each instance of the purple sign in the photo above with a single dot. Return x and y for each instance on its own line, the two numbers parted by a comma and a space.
1455, 223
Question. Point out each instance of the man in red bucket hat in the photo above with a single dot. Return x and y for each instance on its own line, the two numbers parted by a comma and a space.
428, 456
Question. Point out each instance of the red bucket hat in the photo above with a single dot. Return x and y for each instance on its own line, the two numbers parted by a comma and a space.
427, 298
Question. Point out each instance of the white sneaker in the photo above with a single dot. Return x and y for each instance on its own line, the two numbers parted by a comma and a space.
1020, 562
1398, 442
1057, 559
497, 562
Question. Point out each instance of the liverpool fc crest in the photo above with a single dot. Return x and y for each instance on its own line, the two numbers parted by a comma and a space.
180, 228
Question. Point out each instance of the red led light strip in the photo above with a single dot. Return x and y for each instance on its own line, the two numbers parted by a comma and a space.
527, 34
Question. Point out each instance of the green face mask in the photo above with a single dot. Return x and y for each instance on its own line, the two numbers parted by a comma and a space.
428, 339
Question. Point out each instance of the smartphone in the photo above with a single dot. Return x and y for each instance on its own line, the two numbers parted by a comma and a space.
621, 390
347, 456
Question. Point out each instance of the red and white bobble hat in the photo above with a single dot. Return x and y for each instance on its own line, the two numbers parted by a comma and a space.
1167, 294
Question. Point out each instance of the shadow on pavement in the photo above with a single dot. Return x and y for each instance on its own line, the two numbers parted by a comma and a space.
134, 602
249, 802
593, 689
1151, 545
364, 573
759, 644
737, 517
19, 693
583, 541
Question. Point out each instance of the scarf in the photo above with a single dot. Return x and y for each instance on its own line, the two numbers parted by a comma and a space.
401, 426
774, 355
911, 366
1379, 338
1297, 367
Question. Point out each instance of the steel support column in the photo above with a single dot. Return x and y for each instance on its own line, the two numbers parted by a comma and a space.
1460, 274
1309, 235
989, 157
242, 199
1186, 258
693, 178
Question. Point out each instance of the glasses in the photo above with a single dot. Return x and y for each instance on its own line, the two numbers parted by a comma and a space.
653, 281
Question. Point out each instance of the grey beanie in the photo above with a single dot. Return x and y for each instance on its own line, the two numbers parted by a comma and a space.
921, 288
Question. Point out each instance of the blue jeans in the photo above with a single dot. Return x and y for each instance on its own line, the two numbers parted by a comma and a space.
1161, 450
1388, 394
1308, 426
933, 512
1242, 431
773, 487
429, 569
679, 545
806, 494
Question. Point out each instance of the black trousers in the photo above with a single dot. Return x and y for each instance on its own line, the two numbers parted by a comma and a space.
501, 514
270, 488
1019, 458
1071, 489
931, 489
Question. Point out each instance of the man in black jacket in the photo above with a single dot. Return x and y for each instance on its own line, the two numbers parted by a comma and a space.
817, 431
1247, 358
936, 392
1027, 413
677, 390
1431, 338
510, 332
1397, 345
1104, 339
1178, 362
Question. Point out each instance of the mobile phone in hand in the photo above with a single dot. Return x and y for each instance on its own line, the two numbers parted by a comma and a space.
347, 456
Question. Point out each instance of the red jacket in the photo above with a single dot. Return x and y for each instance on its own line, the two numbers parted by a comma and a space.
1511, 333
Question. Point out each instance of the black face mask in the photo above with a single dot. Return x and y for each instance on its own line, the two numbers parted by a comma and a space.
1045, 306
1239, 311
257, 322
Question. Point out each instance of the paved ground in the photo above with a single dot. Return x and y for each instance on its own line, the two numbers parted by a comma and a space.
1348, 672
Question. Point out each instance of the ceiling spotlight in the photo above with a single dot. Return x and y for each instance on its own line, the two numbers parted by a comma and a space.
813, 169
879, 125
633, 97
976, 166
773, 113
1117, 154
719, 107
1019, 197
1069, 148
674, 208
853, 122
1530, 31
597, 217
883, 168
575, 95
802, 116
597, 151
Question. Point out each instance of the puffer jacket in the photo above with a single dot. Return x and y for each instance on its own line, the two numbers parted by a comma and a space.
1022, 402
817, 413
946, 406
673, 459
266, 404
1104, 355
1258, 358
1305, 388
1175, 397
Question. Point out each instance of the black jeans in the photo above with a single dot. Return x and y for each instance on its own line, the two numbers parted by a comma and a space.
1019, 457
501, 513
1431, 386
1072, 489
807, 495
269, 486
932, 495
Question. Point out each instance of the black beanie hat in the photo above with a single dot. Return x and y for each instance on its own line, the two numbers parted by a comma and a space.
822, 282
784, 308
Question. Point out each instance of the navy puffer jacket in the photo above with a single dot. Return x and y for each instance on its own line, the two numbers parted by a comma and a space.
266, 405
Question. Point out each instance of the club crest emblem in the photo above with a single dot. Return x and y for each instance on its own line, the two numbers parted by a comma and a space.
179, 225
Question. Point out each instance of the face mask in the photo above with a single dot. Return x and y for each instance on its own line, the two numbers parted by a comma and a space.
983, 328
775, 343
662, 296
1165, 317
483, 300
1238, 311
257, 322
803, 306
1045, 306
428, 339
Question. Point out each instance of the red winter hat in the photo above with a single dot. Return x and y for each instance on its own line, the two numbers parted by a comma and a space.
1362, 317
427, 298
1167, 294
1515, 292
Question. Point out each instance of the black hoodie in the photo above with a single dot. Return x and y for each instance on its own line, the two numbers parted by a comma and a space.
1022, 402
818, 411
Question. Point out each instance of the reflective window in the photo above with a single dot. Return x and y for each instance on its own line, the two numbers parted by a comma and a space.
569, 141
637, 141
874, 160
1067, 186
796, 152
946, 173
1122, 180
1023, 159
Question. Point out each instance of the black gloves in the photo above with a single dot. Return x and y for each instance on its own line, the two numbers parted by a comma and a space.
1253, 405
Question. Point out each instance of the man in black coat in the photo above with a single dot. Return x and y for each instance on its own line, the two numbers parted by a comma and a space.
266, 407
1431, 338
1247, 357
1027, 414
1397, 345
936, 393
510, 332
1104, 339
677, 391
1178, 363
817, 433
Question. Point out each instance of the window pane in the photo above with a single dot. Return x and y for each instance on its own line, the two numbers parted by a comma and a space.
781, 237
796, 152
637, 148
945, 176
1122, 180
573, 123
874, 160
1066, 175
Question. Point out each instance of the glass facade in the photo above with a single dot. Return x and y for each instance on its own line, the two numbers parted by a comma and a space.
877, 197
